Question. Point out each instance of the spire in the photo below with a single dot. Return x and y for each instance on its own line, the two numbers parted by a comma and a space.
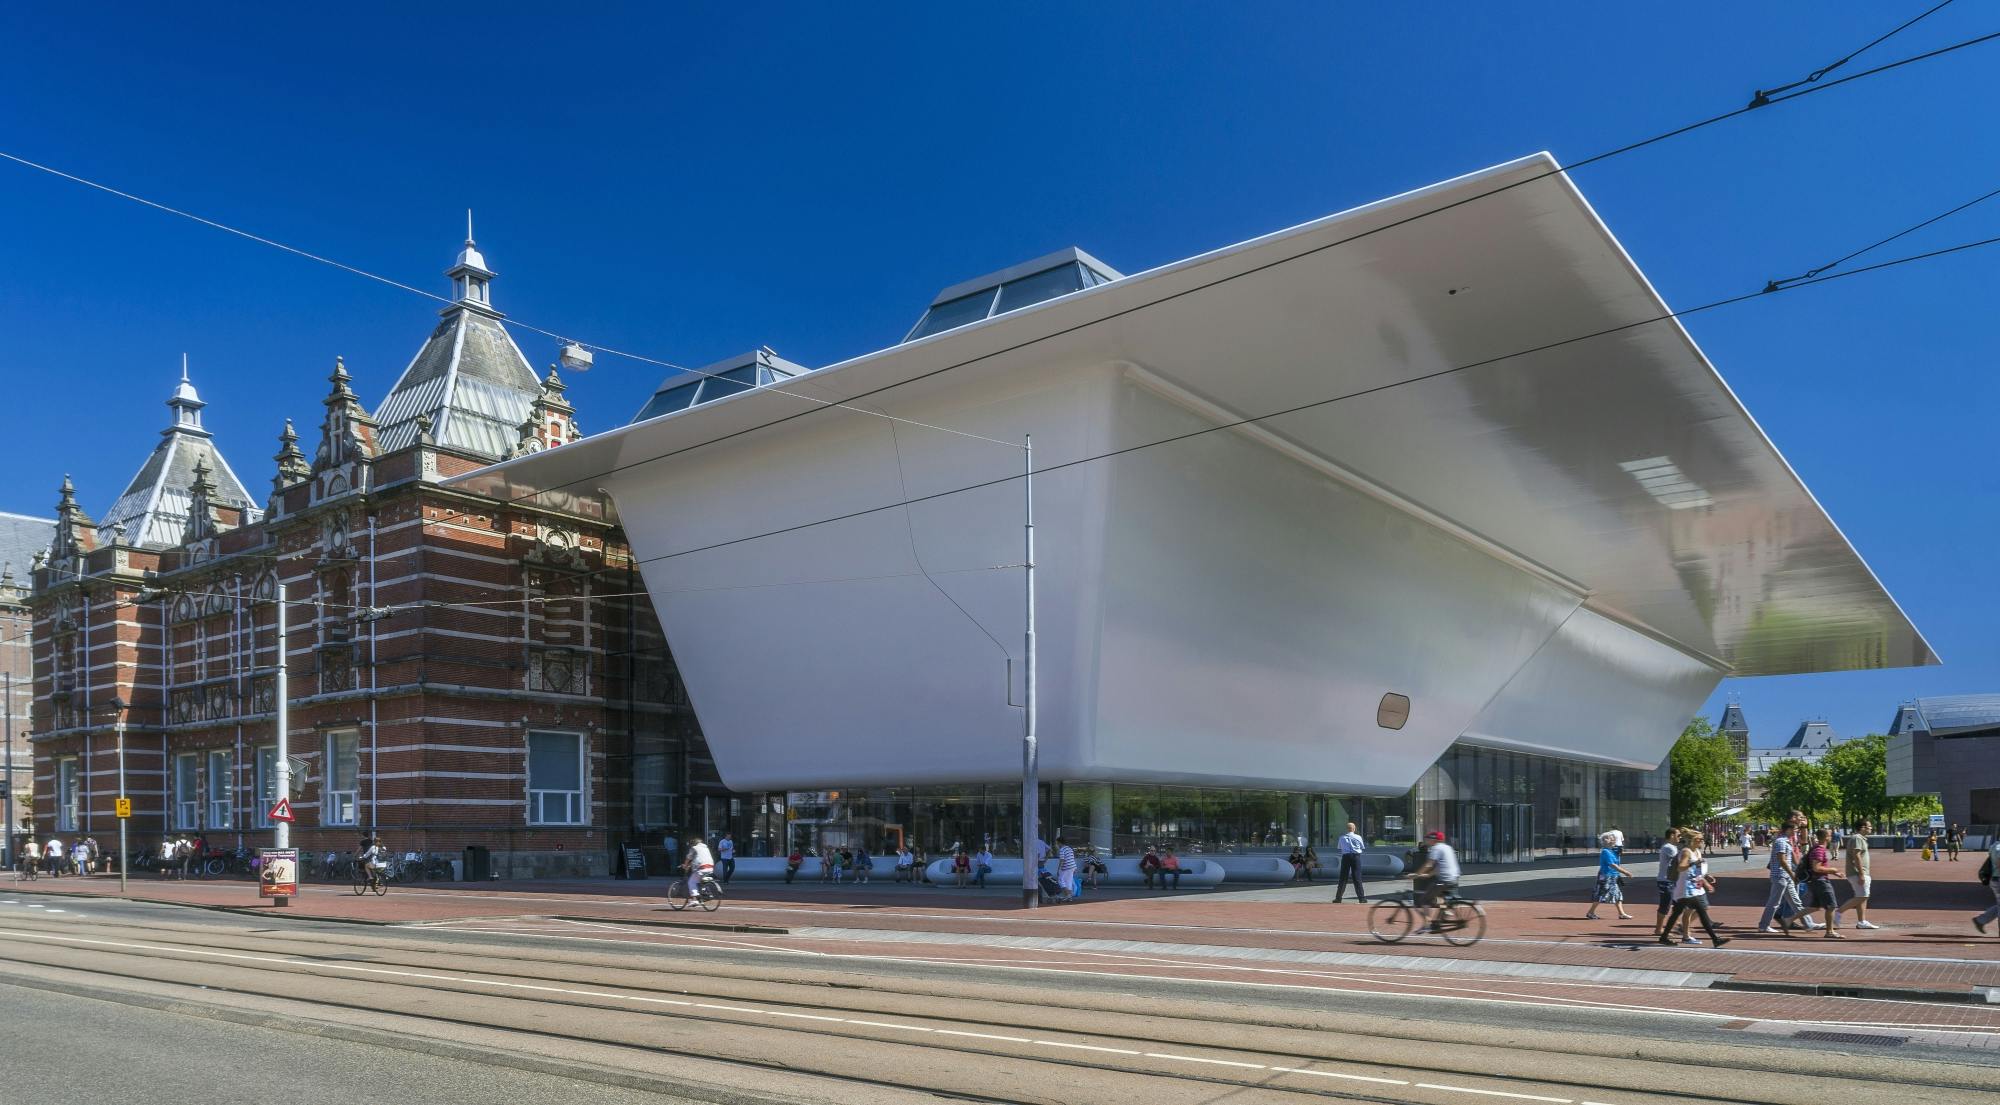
292, 466
186, 404
470, 278
75, 535
347, 433
202, 521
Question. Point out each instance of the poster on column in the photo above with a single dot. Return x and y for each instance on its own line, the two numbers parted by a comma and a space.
277, 872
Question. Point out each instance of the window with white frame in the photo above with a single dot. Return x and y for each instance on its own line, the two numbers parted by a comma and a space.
555, 779
187, 802
340, 795
221, 790
267, 786
68, 783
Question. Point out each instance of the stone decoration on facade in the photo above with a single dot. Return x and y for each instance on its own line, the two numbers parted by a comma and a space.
551, 421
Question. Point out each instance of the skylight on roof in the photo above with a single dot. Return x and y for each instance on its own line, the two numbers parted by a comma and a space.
1664, 481
1024, 285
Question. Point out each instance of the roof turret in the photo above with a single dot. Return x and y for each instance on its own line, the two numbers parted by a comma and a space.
153, 510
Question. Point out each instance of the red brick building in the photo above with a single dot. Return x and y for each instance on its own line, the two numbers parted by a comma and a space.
463, 670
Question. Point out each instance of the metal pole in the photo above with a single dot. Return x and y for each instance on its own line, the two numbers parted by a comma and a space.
124, 856
1030, 785
11, 812
281, 831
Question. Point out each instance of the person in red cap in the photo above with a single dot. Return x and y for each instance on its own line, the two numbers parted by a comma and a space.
1438, 877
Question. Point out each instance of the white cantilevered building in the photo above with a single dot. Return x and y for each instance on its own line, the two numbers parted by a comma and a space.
1426, 492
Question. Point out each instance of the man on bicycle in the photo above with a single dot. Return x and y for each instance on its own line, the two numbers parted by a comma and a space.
1437, 878
700, 865
373, 858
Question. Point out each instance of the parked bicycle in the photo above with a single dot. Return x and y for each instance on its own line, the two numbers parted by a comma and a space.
1461, 921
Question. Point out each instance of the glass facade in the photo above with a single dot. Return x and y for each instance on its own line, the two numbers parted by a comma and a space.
1497, 807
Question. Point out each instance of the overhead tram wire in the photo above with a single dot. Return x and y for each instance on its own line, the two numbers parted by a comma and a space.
344, 267
1764, 95
1405, 221
1375, 390
1763, 99
1780, 285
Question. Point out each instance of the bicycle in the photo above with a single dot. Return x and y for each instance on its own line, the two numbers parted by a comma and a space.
1461, 921
369, 877
709, 899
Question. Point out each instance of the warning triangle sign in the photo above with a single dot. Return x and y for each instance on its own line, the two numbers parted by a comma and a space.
282, 811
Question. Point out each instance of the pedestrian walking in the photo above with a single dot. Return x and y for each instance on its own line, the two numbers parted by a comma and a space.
1608, 874
1350, 846
1065, 867
1954, 839
725, 856
1664, 878
1782, 900
52, 856
1743, 839
1691, 886
1989, 873
1856, 850
1820, 873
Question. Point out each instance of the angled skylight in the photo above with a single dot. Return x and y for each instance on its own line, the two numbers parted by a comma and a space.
1010, 289
1664, 481
682, 390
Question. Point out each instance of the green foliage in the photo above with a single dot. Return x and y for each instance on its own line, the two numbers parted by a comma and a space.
1796, 785
1859, 771
1704, 772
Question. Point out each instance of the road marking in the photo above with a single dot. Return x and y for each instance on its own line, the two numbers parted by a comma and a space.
534, 987
1343, 1077
1495, 1093
983, 1036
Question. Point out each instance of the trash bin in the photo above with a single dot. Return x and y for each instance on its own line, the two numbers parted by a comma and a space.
478, 863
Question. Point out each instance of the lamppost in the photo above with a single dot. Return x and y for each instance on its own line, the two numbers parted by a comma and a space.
124, 807
9, 739
281, 831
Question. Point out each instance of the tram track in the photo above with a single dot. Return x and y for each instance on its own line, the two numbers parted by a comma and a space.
1009, 1027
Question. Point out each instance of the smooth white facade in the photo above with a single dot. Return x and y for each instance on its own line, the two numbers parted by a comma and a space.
1560, 552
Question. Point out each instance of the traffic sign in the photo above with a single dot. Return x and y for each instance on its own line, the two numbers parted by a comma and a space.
122, 807
282, 811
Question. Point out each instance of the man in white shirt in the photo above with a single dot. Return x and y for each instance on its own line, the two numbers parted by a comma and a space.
1350, 846
1066, 868
52, 856
1441, 870
700, 865
725, 850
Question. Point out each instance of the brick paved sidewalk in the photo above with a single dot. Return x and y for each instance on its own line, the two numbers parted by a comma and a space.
1927, 944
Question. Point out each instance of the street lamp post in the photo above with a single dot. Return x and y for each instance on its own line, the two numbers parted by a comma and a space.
281, 831
1030, 785
11, 812
124, 852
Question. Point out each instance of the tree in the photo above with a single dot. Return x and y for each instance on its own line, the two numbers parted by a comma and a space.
1796, 785
1704, 772
1859, 771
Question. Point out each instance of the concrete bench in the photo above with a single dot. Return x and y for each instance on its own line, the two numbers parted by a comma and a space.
1197, 872
1268, 869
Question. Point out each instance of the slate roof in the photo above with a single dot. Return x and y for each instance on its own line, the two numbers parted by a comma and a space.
1813, 734
1732, 720
154, 507
1950, 715
21, 537
470, 378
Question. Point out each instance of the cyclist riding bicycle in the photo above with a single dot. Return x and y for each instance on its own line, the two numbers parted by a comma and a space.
700, 866
373, 858
1437, 878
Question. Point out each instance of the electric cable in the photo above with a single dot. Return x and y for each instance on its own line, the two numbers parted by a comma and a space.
1778, 285
1236, 423
1764, 95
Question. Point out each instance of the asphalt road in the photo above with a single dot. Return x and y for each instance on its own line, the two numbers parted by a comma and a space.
63, 1050
730, 1022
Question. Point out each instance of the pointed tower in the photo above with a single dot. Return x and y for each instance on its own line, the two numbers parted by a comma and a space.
469, 378
153, 511
551, 420
76, 534
292, 466
202, 521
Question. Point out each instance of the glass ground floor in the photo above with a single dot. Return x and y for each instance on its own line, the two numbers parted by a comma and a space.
1497, 807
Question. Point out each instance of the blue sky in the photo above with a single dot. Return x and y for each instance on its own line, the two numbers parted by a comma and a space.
692, 183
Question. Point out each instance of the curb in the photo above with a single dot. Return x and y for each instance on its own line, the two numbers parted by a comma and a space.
706, 926
261, 912
1978, 995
